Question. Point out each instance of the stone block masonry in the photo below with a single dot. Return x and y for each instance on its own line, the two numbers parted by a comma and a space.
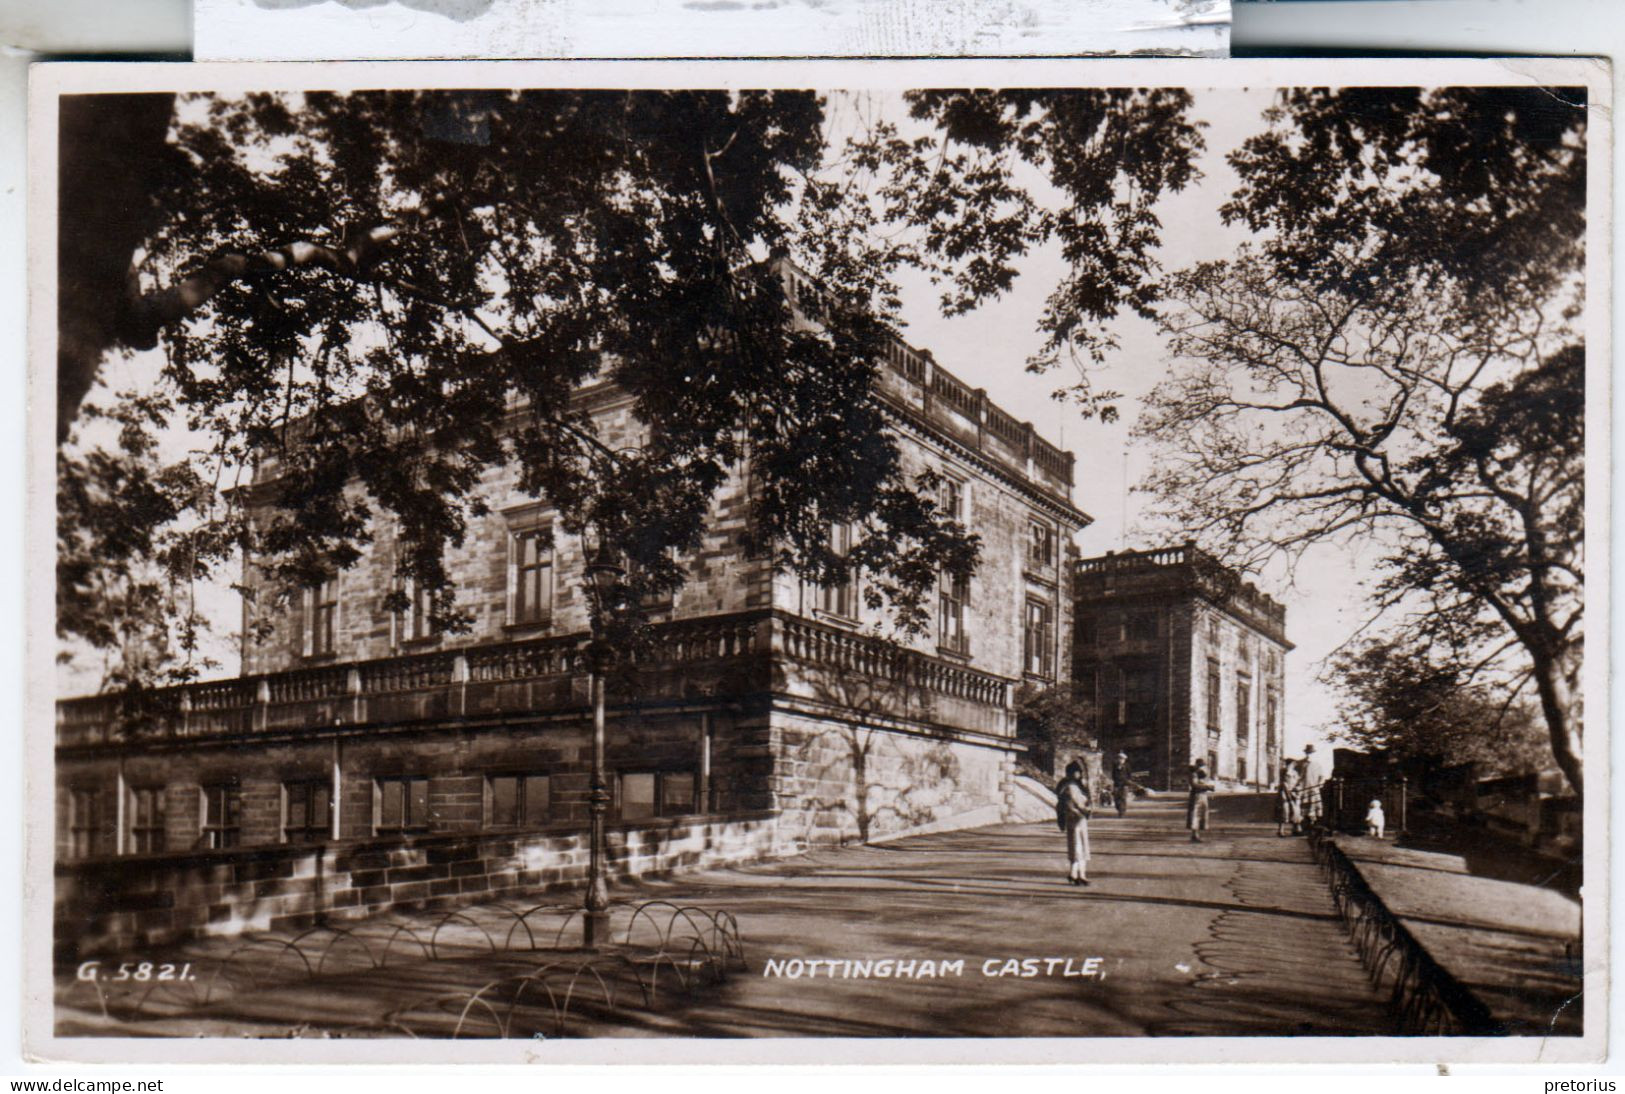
122, 905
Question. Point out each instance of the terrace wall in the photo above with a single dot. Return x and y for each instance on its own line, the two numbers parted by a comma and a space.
123, 905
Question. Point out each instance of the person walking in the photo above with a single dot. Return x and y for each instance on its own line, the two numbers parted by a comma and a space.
1288, 809
1309, 789
1120, 783
1072, 808
1197, 808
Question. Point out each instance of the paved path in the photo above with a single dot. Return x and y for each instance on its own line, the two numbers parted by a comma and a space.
1236, 935
1512, 945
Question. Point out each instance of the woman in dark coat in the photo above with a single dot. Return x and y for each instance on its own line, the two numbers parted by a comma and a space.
1072, 808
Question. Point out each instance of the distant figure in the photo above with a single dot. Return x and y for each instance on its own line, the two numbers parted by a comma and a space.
1309, 791
1196, 810
1072, 808
1288, 808
1120, 781
1374, 820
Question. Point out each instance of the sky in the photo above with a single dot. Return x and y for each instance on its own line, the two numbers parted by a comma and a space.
989, 348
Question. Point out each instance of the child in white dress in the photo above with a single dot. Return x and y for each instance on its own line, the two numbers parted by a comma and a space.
1374, 820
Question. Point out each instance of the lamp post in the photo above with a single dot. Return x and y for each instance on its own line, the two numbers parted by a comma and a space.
604, 576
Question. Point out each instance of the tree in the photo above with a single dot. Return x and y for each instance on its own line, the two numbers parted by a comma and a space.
1058, 722
1401, 701
1397, 356
350, 290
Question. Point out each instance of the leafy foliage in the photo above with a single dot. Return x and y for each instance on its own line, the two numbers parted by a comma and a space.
1400, 700
1111, 153
370, 299
1396, 357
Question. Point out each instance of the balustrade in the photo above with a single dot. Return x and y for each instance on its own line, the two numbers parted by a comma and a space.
945, 386
1006, 428
407, 673
948, 391
239, 706
831, 648
522, 661
305, 685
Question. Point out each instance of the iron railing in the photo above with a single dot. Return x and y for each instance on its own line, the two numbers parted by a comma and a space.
1425, 998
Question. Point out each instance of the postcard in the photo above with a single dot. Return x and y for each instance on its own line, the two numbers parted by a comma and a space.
1005, 561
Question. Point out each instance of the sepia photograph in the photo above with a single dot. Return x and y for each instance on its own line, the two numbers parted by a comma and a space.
941, 554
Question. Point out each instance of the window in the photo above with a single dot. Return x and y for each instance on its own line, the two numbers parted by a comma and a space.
322, 617
1041, 546
518, 800
401, 804
307, 811
841, 598
85, 814
1213, 634
1213, 695
1088, 630
222, 815
1039, 639
1139, 696
1244, 690
952, 499
951, 636
416, 621
1140, 626
146, 819
1241, 768
652, 599
647, 794
532, 577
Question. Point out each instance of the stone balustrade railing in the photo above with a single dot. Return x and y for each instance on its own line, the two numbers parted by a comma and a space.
481, 679
818, 644
1218, 579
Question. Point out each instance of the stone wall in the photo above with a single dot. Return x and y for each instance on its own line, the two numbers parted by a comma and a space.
842, 782
1001, 515
1242, 653
456, 761
122, 905
720, 577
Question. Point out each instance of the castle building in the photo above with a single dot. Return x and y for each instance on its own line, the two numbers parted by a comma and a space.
363, 761
1179, 661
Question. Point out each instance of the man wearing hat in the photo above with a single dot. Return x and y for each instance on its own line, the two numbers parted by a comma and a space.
1120, 783
1309, 781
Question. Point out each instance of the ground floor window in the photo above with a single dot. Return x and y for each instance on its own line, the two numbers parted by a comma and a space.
645, 794
222, 815
518, 800
307, 810
401, 804
146, 819
85, 815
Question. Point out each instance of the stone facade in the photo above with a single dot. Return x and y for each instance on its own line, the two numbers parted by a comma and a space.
763, 703
122, 905
1181, 661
